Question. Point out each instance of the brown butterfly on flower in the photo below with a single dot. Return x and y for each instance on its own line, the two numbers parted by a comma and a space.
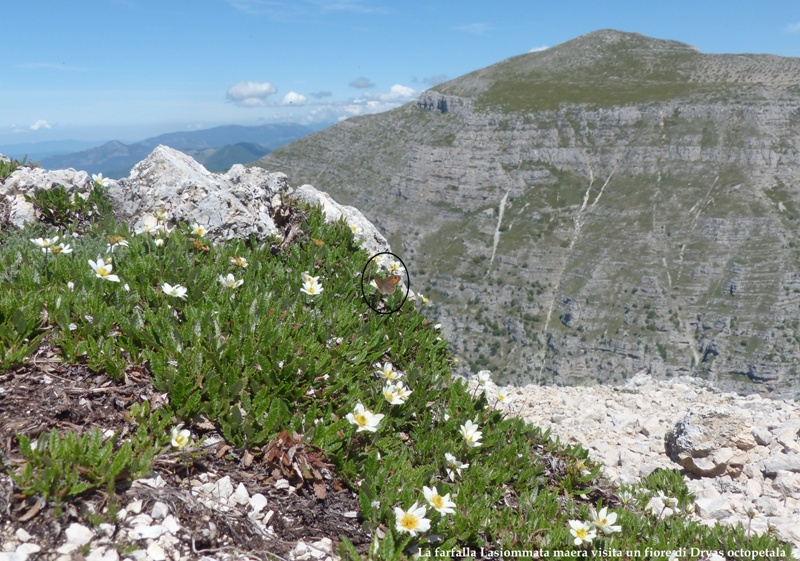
200, 246
387, 285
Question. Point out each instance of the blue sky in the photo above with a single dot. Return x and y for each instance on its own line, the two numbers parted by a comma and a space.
129, 69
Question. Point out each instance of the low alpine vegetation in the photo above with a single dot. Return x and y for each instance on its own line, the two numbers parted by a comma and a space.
263, 341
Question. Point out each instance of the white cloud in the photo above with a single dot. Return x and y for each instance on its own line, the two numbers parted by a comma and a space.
396, 94
294, 98
793, 27
40, 124
539, 49
250, 93
372, 102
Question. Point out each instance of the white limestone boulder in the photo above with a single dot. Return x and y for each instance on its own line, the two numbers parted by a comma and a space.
236, 204
711, 443
372, 241
26, 180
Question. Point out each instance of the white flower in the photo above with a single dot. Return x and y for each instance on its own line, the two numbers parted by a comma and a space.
71, 286
45, 243
662, 505
159, 242
149, 225
365, 419
388, 372
60, 248
178, 291
604, 521
355, 229
230, 281
163, 215
180, 438
311, 285
412, 520
669, 501
471, 434
484, 378
395, 267
583, 532
453, 466
99, 181
396, 393
627, 498
198, 230
442, 504
103, 270
503, 397
239, 262
114, 241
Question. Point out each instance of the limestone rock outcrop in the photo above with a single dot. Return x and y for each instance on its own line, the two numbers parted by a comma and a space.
25, 180
235, 204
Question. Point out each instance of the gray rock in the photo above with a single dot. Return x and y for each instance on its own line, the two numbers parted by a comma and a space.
147, 532
786, 483
705, 443
236, 204
160, 510
25, 181
781, 462
372, 240
713, 507
761, 435
78, 534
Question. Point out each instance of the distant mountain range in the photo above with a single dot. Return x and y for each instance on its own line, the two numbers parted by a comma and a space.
216, 148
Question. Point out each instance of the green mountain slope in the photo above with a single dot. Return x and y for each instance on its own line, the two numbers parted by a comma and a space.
613, 204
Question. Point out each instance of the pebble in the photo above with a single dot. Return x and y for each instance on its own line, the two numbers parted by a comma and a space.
160, 510
22, 535
78, 534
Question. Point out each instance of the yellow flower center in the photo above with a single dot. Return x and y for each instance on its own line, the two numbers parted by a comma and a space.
361, 419
581, 533
409, 521
103, 271
437, 501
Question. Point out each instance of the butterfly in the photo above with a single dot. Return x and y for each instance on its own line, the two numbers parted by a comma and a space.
387, 285
200, 246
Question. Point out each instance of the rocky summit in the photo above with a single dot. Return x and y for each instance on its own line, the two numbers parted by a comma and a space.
612, 204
